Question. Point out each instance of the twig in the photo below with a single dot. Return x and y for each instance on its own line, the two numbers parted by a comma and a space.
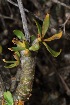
58, 2
13, 3
66, 20
65, 85
59, 76
11, 13
64, 24
24, 21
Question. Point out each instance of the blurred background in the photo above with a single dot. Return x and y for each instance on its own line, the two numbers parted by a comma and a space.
52, 75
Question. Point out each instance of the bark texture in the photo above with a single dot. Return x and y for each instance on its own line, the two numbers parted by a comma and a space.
27, 76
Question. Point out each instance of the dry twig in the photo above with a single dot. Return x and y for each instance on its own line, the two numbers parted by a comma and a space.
64, 85
13, 3
6, 17
64, 24
58, 2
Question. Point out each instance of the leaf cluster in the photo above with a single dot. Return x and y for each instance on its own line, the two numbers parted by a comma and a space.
42, 32
23, 45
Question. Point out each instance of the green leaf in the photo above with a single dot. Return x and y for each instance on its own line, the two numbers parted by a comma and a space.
18, 48
53, 53
8, 61
54, 37
8, 97
0, 49
32, 38
34, 47
11, 65
45, 25
39, 28
19, 34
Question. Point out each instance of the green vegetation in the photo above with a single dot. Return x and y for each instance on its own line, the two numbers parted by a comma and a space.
22, 43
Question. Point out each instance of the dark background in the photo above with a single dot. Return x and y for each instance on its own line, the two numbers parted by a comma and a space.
52, 75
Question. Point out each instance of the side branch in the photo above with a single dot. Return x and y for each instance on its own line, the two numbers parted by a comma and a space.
26, 10
62, 4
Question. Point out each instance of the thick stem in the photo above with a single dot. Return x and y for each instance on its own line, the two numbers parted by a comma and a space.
24, 21
26, 79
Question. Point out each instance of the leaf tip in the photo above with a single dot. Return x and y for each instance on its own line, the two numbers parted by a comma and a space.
4, 60
58, 53
10, 49
47, 15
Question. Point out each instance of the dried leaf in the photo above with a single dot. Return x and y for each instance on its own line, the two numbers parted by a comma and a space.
20, 102
54, 37
45, 25
53, 53
16, 56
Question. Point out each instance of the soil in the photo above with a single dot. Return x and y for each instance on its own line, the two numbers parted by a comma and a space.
52, 75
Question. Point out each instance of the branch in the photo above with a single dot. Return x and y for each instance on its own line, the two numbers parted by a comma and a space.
64, 85
64, 24
24, 21
13, 3
58, 2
